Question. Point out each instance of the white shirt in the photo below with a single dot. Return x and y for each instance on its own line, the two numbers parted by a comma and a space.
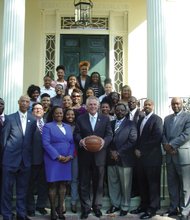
2, 116
23, 119
132, 114
50, 91
62, 129
93, 119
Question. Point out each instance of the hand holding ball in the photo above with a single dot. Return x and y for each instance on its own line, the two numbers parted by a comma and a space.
93, 143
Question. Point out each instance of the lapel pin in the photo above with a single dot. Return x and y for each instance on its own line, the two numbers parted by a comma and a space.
28, 120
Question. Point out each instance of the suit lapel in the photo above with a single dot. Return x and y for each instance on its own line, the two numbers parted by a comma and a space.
88, 122
98, 123
147, 124
121, 126
28, 121
17, 118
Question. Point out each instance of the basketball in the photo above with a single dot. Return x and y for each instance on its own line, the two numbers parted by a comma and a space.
93, 143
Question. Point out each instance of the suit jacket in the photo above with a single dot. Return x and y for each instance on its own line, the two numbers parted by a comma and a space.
16, 147
1, 130
138, 115
37, 148
87, 82
178, 135
102, 129
124, 141
149, 142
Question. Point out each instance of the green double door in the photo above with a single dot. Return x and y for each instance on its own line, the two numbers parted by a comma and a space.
93, 48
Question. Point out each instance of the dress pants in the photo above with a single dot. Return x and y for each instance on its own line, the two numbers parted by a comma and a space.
119, 184
38, 186
178, 177
19, 176
149, 186
90, 173
74, 181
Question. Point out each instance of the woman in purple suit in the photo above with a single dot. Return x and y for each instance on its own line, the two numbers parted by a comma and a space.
59, 148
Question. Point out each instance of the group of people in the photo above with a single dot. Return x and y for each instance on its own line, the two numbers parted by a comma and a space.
43, 150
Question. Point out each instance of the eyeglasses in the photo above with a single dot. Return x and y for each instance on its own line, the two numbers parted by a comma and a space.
37, 108
75, 96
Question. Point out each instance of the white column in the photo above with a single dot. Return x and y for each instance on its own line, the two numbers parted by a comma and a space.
11, 77
157, 89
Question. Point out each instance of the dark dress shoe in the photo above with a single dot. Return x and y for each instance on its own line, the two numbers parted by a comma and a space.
147, 215
138, 210
112, 209
170, 213
123, 213
84, 215
22, 217
73, 208
97, 213
42, 211
31, 213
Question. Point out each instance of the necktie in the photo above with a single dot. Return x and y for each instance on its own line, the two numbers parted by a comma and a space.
40, 125
23, 122
1, 120
93, 122
143, 124
117, 124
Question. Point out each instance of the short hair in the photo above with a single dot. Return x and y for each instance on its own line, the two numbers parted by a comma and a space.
105, 102
36, 103
24, 96
31, 89
45, 95
92, 98
47, 76
107, 81
60, 67
120, 103
2, 100
77, 91
90, 88
84, 63
59, 85
149, 100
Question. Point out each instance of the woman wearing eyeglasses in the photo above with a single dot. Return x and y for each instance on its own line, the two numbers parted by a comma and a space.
76, 97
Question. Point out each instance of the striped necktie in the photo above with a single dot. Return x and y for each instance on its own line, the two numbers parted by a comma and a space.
40, 125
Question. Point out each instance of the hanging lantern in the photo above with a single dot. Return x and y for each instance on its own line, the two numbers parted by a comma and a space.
83, 12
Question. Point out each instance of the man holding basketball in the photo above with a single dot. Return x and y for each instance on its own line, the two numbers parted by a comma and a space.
92, 164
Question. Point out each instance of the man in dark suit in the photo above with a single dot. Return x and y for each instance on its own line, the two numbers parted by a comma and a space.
134, 115
17, 138
149, 160
37, 177
92, 165
176, 142
121, 154
134, 112
2, 123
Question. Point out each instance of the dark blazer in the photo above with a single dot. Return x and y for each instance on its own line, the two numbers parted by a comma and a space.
124, 141
178, 135
37, 148
138, 115
17, 147
102, 129
87, 82
149, 142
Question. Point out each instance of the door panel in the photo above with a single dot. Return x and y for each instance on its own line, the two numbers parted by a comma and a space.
94, 48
